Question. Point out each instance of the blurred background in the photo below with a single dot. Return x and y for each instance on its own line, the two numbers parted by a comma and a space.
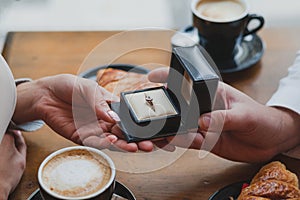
81, 15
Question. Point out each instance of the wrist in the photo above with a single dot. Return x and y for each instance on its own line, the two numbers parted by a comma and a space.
288, 129
27, 95
4, 192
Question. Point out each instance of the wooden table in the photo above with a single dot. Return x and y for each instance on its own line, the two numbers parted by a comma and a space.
39, 54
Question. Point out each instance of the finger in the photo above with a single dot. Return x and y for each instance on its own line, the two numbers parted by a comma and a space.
98, 142
225, 120
112, 138
103, 111
114, 116
213, 121
96, 97
88, 130
188, 140
109, 97
8, 140
20, 142
165, 145
122, 145
234, 116
145, 146
159, 75
105, 126
116, 130
225, 95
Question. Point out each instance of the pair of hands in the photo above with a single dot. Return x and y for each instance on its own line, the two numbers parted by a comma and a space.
238, 129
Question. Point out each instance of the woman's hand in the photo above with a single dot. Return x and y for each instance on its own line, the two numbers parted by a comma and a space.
13, 162
74, 107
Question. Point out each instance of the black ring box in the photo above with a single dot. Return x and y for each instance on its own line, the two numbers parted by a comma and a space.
191, 88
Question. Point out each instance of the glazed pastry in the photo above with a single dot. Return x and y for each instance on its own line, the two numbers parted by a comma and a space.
272, 189
116, 81
276, 171
254, 198
272, 182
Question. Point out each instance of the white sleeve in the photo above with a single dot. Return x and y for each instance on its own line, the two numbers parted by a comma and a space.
29, 126
288, 96
8, 101
8, 96
288, 92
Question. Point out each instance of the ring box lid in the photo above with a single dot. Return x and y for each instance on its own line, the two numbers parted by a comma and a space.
196, 62
191, 88
194, 81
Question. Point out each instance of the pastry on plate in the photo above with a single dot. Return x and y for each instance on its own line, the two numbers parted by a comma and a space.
272, 182
117, 81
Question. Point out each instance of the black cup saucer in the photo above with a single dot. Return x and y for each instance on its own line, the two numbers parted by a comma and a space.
248, 53
120, 190
231, 191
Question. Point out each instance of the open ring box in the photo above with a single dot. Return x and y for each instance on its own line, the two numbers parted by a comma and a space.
165, 111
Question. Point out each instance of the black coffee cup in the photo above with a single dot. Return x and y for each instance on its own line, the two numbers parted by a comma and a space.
222, 24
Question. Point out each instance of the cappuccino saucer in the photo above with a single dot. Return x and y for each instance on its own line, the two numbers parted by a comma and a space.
121, 193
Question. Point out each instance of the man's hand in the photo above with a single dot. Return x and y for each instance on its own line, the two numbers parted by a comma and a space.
240, 128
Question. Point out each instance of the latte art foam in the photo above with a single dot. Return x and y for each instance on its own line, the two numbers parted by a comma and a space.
76, 173
220, 10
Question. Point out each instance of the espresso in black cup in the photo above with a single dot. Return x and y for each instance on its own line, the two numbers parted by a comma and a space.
221, 25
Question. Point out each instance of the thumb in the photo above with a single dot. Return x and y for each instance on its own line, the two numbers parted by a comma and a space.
213, 121
20, 142
103, 111
159, 75
223, 120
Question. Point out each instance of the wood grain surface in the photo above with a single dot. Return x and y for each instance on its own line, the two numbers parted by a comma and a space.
39, 54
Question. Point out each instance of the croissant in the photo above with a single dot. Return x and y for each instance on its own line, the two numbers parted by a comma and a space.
272, 182
117, 81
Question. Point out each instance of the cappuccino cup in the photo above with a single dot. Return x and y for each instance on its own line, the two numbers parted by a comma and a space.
77, 173
222, 25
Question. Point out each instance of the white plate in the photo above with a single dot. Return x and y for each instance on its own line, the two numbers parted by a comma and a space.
7, 96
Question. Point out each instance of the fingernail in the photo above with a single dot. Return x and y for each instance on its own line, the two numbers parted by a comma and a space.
112, 138
114, 115
206, 121
18, 132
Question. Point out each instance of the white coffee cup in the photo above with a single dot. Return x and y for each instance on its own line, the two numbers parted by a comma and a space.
77, 172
